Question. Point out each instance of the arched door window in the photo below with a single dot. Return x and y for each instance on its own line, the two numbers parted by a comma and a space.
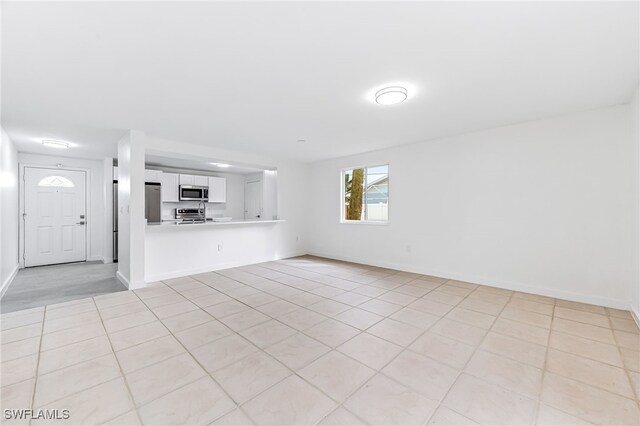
56, 181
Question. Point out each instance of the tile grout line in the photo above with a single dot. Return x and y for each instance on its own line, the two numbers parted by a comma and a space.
462, 369
626, 370
576, 379
124, 378
405, 348
544, 367
443, 316
35, 378
295, 372
207, 374
135, 405
584, 383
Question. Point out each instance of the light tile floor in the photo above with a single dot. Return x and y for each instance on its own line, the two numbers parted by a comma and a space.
314, 341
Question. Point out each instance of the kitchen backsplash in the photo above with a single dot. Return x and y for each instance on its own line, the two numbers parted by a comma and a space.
213, 210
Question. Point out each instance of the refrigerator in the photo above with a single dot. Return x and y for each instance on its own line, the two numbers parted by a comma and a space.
152, 209
152, 202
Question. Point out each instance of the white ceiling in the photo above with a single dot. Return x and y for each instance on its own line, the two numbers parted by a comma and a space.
259, 76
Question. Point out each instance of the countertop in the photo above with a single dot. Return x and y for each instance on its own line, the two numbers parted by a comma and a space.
179, 224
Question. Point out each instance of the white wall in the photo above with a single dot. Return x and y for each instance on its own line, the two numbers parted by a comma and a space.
635, 140
234, 207
8, 211
177, 252
270, 194
545, 207
95, 195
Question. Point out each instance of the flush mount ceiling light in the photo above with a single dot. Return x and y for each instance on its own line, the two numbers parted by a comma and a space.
222, 165
391, 95
55, 144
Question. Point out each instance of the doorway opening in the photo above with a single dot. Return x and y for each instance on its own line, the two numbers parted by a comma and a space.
253, 200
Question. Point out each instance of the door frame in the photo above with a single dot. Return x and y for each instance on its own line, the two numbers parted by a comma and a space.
21, 206
247, 182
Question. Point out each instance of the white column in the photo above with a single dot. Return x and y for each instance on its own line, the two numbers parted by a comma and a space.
131, 226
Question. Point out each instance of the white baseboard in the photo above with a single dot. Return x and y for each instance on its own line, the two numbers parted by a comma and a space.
105, 260
525, 288
135, 285
94, 258
122, 279
8, 281
636, 315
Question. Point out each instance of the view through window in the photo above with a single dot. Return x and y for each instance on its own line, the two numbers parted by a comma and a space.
366, 194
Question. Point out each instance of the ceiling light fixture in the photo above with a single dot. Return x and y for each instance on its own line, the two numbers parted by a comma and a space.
55, 144
391, 95
222, 165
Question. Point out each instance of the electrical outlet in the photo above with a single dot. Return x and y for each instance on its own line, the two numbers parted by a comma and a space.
219, 247
408, 248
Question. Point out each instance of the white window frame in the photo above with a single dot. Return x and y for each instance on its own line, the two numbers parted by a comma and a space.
342, 196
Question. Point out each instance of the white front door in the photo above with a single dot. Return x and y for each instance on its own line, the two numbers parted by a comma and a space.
55, 216
253, 200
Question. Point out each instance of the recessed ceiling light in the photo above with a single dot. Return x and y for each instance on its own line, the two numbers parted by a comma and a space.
55, 144
302, 140
222, 165
391, 95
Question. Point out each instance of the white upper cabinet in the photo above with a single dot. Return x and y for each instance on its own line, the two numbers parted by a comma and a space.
201, 180
193, 180
217, 189
154, 176
170, 187
187, 179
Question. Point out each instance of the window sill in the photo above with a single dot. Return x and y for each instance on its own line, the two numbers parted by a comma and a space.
363, 222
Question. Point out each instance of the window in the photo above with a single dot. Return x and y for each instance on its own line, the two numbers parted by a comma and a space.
365, 194
57, 181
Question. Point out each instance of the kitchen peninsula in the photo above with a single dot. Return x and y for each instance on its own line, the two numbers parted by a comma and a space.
167, 224
212, 216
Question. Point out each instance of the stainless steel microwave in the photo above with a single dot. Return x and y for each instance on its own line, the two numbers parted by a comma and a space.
194, 193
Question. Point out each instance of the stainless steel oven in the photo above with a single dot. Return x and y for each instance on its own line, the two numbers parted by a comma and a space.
194, 193
190, 215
